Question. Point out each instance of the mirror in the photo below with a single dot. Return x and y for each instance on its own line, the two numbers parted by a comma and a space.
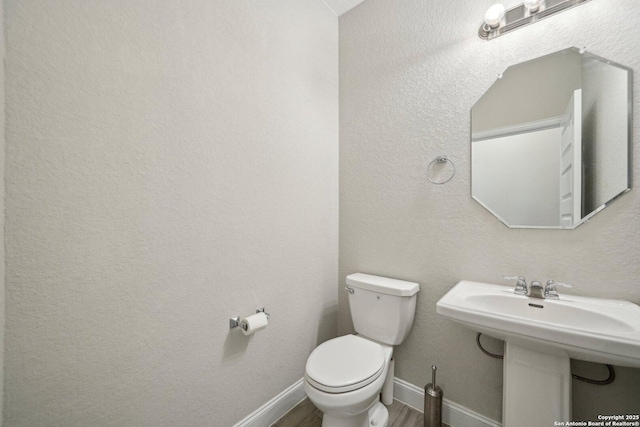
551, 140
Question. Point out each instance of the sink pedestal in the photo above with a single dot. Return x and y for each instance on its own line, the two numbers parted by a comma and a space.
536, 387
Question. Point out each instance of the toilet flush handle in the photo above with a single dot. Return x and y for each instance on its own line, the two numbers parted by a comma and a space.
348, 289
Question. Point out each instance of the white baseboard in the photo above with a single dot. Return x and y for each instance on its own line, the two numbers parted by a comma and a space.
452, 413
274, 409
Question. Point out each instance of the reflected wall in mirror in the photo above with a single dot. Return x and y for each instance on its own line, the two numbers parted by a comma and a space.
551, 140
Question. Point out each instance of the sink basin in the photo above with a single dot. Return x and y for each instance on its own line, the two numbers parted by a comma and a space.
541, 335
593, 329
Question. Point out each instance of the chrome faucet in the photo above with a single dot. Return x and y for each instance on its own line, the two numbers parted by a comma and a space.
536, 291
521, 284
550, 290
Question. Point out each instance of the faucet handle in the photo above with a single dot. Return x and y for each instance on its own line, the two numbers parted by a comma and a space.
521, 284
550, 290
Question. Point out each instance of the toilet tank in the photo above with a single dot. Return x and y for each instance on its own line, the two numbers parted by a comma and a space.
382, 308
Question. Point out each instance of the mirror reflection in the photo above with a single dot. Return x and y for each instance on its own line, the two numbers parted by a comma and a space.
550, 140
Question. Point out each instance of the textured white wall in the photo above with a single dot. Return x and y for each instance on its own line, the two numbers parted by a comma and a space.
410, 71
169, 165
2, 207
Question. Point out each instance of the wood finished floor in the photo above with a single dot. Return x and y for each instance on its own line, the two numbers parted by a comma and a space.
305, 414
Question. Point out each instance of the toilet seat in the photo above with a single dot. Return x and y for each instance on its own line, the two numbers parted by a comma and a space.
345, 364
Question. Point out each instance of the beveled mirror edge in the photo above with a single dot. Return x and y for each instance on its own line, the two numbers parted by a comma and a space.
588, 217
519, 227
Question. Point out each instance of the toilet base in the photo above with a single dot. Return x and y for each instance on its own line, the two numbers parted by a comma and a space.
376, 416
379, 415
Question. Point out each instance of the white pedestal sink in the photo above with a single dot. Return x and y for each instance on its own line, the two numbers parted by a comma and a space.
541, 336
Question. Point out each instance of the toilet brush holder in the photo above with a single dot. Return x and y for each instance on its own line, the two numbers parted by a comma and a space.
432, 402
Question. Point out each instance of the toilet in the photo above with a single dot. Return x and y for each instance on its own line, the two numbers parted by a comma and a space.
345, 375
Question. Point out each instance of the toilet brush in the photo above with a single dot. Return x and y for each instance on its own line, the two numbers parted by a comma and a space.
432, 402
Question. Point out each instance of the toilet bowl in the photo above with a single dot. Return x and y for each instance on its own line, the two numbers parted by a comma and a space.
345, 375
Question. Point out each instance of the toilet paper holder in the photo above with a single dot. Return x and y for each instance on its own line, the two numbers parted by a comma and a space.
235, 322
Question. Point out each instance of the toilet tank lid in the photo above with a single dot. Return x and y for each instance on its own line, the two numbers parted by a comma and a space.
383, 285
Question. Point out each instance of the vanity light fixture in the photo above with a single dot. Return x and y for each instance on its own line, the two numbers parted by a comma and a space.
499, 21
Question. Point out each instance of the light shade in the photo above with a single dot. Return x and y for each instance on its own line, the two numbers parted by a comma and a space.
533, 5
494, 15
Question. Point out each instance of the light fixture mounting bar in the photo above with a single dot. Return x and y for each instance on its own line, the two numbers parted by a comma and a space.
520, 16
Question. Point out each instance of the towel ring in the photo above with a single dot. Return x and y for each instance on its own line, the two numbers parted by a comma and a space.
441, 159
